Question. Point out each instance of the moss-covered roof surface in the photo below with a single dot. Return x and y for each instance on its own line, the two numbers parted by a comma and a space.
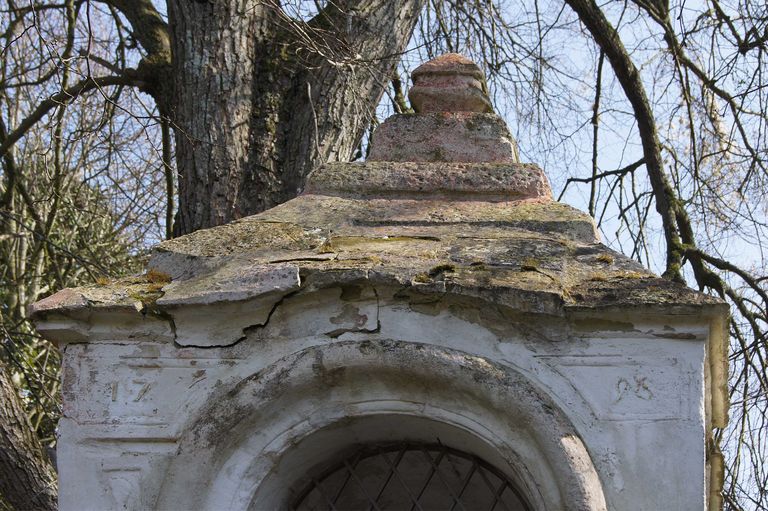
535, 255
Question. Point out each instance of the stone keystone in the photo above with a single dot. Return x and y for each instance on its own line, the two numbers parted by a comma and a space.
449, 83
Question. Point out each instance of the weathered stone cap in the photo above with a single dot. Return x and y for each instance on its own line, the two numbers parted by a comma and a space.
449, 83
532, 256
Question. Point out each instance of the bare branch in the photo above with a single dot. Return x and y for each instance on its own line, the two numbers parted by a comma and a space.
148, 26
61, 97
607, 38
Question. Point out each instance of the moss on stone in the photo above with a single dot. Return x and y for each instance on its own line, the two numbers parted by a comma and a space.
605, 258
440, 269
422, 278
154, 276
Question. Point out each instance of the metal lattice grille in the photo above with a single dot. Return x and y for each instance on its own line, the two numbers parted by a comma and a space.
411, 477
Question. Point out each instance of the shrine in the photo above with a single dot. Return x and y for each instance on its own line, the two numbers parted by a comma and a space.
427, 329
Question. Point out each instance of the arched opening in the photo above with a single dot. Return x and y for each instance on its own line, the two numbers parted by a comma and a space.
259, 444
395, 461
397, 476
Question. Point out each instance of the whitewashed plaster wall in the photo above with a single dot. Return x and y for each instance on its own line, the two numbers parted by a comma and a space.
632, 386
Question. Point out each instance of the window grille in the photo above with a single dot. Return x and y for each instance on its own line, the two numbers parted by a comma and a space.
413, 477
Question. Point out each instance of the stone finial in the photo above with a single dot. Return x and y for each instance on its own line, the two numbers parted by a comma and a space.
454, 121
449, 83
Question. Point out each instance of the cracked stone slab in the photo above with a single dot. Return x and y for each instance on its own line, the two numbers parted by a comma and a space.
536, 255
235, 281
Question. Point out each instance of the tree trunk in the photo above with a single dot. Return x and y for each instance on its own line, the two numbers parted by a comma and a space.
27, 479
261, 98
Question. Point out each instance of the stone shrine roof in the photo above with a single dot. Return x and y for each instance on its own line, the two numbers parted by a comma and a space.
441, 207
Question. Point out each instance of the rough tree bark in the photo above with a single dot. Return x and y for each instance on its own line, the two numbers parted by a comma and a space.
261, 99
27, 479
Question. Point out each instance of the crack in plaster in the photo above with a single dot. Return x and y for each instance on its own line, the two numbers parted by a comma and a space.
245, 329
